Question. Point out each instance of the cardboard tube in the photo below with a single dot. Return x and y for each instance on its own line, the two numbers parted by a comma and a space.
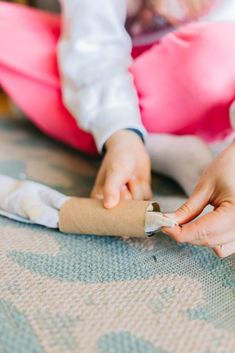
88, 216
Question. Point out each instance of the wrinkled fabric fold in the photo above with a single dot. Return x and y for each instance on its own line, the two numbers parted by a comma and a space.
30, 202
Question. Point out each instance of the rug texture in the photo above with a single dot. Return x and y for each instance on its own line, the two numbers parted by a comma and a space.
86, 294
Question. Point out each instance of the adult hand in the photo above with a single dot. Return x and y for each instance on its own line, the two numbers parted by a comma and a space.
217, 228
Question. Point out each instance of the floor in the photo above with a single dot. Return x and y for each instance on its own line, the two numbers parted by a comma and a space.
87, 294
4, 105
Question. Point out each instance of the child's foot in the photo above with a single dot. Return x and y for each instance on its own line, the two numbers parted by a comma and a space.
219, 146
182, 158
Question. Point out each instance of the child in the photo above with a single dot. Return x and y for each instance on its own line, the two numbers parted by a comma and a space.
184, 78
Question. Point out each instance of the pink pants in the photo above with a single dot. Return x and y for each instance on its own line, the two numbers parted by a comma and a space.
185, 82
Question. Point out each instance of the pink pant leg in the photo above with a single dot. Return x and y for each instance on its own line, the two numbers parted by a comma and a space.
186, 82
44, 107
28, 72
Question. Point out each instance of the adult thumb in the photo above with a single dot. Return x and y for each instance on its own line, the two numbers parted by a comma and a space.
193, 206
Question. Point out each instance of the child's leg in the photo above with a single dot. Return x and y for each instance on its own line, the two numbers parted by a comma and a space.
186, 85
28, 72
179, 92
186, 82
182, 158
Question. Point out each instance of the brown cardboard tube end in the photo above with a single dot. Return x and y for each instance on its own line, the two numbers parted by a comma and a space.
88, 216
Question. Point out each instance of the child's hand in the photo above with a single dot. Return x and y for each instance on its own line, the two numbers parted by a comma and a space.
217, 228
125, 172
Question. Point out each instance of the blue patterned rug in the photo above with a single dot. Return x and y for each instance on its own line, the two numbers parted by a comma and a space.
86, 294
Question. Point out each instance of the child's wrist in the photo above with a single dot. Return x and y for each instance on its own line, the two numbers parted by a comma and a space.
125, 136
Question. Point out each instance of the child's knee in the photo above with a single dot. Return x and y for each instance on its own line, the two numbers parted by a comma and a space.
205, 58
195, 61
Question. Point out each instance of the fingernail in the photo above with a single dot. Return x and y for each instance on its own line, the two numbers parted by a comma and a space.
109, 202
127, 197
99, 196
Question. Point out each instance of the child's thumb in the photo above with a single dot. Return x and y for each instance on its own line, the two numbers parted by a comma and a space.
192, 207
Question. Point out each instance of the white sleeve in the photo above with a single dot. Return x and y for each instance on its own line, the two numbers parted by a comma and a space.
94, 57
223, 11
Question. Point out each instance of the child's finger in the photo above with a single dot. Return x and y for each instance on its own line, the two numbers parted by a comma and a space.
97, 194
225, 250
147, 191
97, 191
136, 188
193, 206
125, 193
112, 187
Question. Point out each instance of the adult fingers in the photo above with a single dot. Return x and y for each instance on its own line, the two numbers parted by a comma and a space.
214, 240
202, 230
193, 206
225, 250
